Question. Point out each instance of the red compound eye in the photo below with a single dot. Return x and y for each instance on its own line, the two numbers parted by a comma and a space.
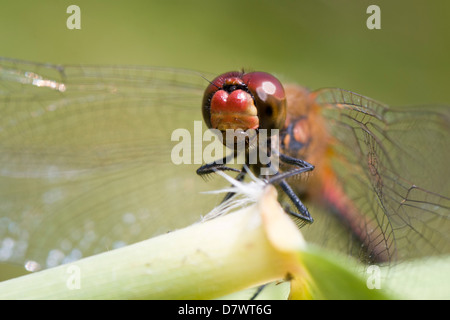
269, 97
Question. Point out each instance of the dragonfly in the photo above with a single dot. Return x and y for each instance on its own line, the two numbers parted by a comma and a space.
86, 167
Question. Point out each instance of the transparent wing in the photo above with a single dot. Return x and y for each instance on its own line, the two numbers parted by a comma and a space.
393, 164
85, 158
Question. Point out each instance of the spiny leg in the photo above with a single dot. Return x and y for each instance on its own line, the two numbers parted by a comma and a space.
221, 165
303, 211
218, 165
302, 166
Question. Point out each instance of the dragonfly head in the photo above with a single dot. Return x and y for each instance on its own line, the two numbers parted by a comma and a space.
244, 101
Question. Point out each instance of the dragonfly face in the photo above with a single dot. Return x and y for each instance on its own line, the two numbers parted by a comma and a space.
237, 102
86, 164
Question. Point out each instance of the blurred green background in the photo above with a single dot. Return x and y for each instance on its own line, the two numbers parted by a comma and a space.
315, 43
